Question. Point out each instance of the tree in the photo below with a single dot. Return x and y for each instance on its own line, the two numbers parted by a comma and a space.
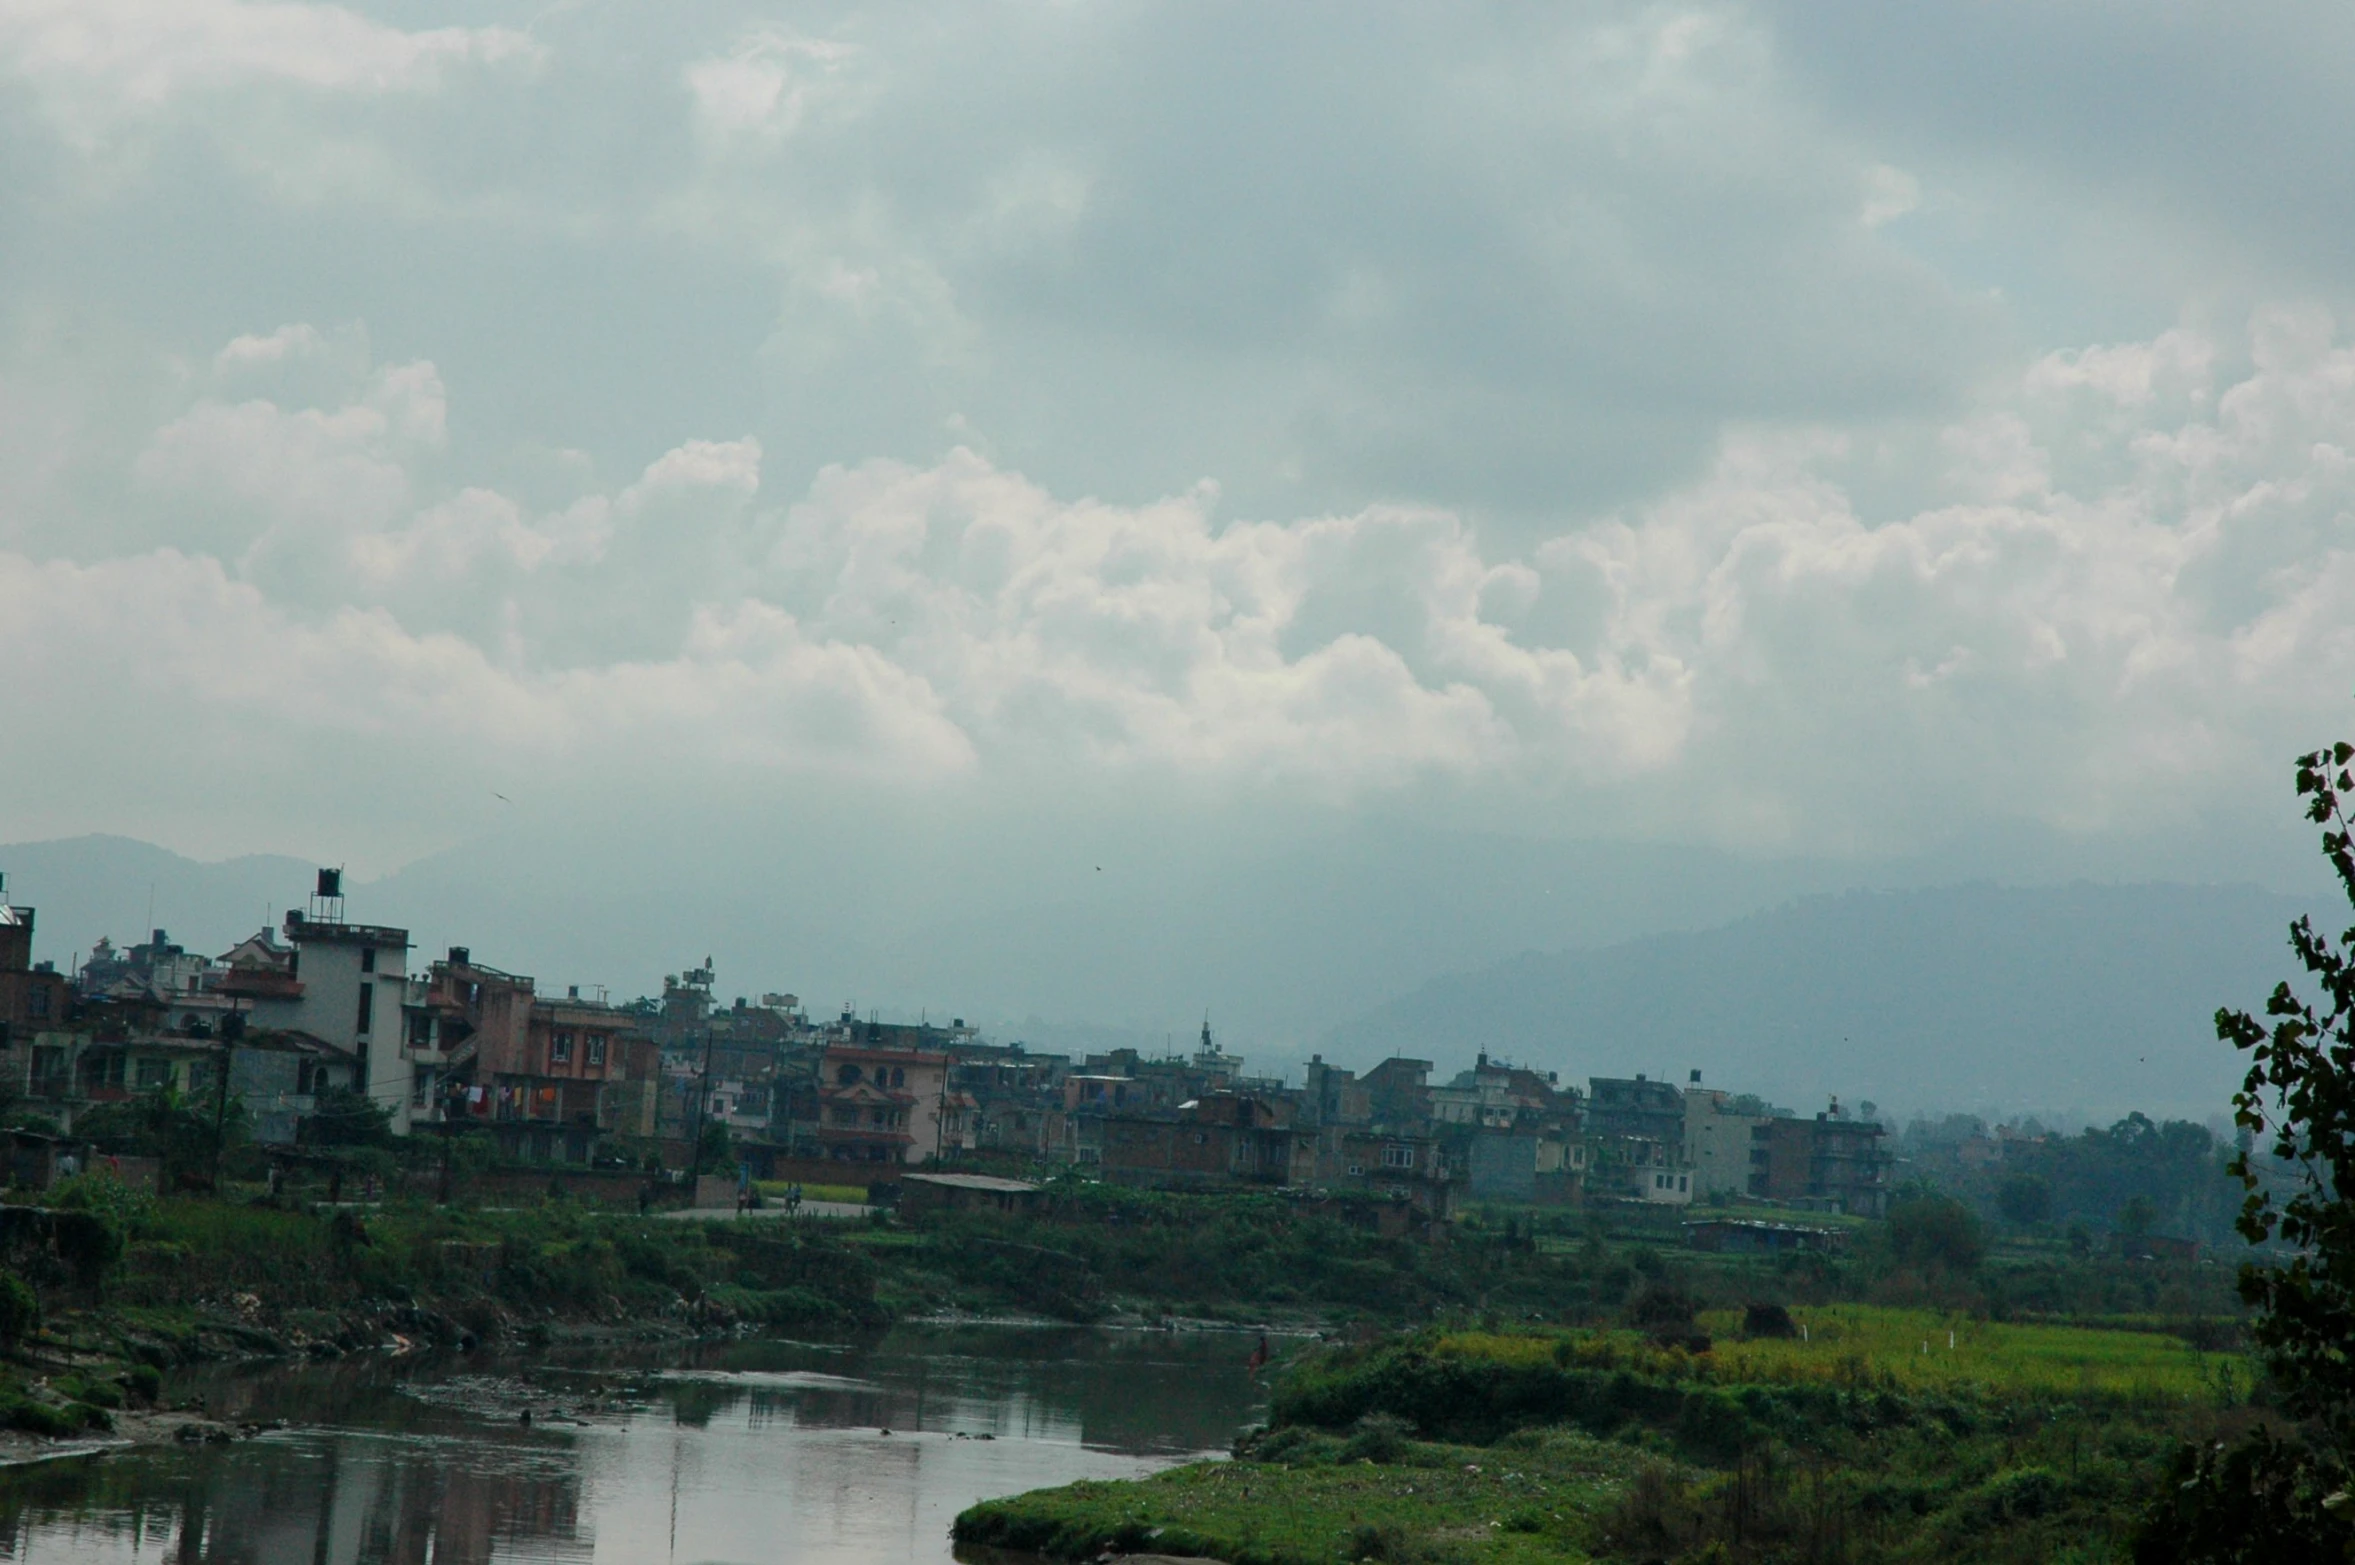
2024, 1199
2299, 1098
715, 1150
344, 1118
1929, 1230
2263, 1497
179, 1133
2137, 1217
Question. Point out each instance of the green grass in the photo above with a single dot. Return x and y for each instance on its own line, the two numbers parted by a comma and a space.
774, 1190
1922, 1351
1537, 1498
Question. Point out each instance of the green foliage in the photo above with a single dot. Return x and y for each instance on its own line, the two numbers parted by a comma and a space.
2024, 1199
344, 1118
2300, 1092
1935, 1231
179, 1132
20, 1310
715, 1150
2256, 1501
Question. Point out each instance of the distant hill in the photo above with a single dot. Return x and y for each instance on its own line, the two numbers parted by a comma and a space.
2097, 998
81, 888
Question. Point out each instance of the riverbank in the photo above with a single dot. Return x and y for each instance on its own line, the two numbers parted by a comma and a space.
1862, 1435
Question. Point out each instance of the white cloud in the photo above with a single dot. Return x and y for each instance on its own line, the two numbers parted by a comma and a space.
757, 95
1748, 653
93, 61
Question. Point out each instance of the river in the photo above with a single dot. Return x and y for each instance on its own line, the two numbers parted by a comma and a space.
748, 1451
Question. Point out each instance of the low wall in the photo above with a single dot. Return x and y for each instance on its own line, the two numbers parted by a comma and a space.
605, 1186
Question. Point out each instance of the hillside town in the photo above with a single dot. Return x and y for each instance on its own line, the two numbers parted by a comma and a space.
326, 1010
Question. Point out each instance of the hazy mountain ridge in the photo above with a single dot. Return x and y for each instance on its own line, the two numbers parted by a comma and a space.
2096, 997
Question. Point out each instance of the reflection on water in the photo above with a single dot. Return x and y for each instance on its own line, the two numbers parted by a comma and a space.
744, 1451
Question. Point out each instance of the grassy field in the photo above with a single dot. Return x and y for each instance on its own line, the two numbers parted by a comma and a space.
1919, 1350
1862, 1346
1537, 1498
1883, 1434
774, 1190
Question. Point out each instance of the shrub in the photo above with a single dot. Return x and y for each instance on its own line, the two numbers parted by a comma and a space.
1379, 1437
1935, 1231
39, 1418
20, 1310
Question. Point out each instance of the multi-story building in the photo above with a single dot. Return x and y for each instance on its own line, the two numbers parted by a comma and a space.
879, 1104
34, 996
1719, 1132
548, 1076
1219, 1138
344, 985
1635, 1138
1831, 1161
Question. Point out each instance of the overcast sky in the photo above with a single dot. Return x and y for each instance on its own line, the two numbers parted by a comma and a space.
1814, 429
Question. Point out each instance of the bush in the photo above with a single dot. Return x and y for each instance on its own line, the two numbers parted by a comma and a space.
1379, 1437
20, 1310
39, 1418
1935, 1232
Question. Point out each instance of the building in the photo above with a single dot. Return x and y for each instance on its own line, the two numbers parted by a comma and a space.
1718, 1138
1399, 1090
344, 985
1831, 1161
1743, 1236
878, 1104
1221, 1138
920, 1193
1635, 1138
1528, 1169
33, 995
548, 1076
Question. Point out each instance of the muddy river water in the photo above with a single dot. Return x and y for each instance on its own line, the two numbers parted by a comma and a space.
749, 1451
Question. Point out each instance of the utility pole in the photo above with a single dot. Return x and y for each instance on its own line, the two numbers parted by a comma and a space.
232, 1029
702, 1109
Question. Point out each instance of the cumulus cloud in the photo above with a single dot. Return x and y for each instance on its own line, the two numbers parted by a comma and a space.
1587, 413
92, 62
1748, 652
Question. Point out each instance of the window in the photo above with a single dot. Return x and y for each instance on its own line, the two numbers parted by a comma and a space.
1681, 1182
367, 959
596, 1048
899, 1078
560, 1049
367, 1005
1398, 1157
154, 1073
37, 1001
848, 1075
1356, 1169
200, 1075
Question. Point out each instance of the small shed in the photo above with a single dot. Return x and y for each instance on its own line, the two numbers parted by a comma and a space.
37, 1160
964, 1193
1749, 1236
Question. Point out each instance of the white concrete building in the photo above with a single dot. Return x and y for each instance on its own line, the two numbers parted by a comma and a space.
349, 982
